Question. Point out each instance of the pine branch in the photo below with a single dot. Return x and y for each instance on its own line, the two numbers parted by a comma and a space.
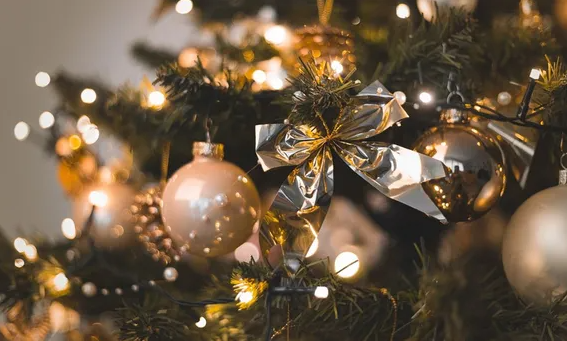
152, 57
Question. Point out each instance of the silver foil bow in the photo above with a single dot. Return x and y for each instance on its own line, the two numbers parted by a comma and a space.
295, 217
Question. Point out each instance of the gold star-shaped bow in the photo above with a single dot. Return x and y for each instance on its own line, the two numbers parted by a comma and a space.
297, 213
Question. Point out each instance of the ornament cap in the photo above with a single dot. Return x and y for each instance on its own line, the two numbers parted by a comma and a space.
208, 149
454, 116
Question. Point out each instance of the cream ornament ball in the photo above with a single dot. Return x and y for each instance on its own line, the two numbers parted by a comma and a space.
112, 224
429, 7
534, 252
210, 206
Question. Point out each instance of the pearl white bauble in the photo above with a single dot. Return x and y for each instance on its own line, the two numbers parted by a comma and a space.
427, 7
504, 98
170, 274
534, 252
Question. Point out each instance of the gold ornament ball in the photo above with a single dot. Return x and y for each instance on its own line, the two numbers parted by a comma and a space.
534, 252
429, 7
112, 224
326, 43
477, 176
148, 223
210, 206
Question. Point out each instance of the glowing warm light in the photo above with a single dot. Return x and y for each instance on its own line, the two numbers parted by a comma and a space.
68, 228
184, 6
188, 57
337, 67
18, 263
403, 11
535, 74
88, 96
321, 292
46, 120
42, 79
75, 142
83, 124
60, 282
401, 97
425, 97
91, 135
274, 81
156, 99
347, 264
245, 296
20, 244
276, 35
21, 131
259, 76
246, 252
30, 252
98, 198
201, 323
313, 248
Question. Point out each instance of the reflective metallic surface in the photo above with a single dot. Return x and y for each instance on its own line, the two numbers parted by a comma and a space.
210, 207
534, 252
478, 175
293, 221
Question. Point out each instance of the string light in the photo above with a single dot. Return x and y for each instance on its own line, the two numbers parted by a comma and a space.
20, 244
19, 263
321, 292
42, 79
21, 131
202, 323
156, 99
88, 96
425, 97
30, 252
83, 124
274, 81
68, 228
337, 67
60, 282
276, 35
46, 120
75, 142
98, 198
403, 11
91, 135
184, 6
245, 296
347, 264
259, 76
535, 74
188, 57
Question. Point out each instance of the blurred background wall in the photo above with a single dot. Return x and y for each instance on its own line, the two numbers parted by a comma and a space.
89, 38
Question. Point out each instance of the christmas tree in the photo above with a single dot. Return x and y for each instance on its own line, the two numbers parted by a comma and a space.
317, 170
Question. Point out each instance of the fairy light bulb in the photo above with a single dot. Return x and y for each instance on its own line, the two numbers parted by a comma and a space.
20, 244
98, 198
83, 124
42, 79
68, 228
245, 297
21, 131
274, 81
75, 142
60, 282
276, 35
91, 135
425, 97
202, 323
535, 74
184, 6
259, 76
19, 263
88, 96
347, 264
321, 292
30, 251
337, 67
156, 99
403, 11
46, 120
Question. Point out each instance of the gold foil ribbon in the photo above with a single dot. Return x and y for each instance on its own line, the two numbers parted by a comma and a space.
295, 217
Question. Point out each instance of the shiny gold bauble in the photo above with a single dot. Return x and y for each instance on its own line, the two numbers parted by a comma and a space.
326, 43
112, 224
429, 7
210, 206
534, 252
477, 176
146, 211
